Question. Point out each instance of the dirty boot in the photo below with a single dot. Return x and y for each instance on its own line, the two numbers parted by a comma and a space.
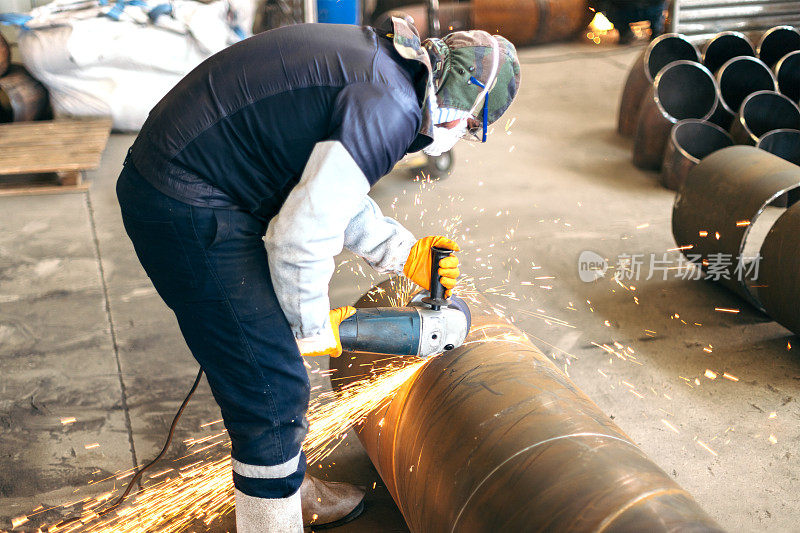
327, 504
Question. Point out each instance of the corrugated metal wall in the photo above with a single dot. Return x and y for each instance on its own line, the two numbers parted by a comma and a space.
703, 17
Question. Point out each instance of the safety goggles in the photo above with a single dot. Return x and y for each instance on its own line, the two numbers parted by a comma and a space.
478, 132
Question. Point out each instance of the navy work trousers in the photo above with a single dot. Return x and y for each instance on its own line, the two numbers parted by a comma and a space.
210, 267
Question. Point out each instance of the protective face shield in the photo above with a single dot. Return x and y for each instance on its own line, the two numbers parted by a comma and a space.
480, 109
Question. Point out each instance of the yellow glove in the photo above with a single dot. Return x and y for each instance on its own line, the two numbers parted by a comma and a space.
418, 264
336, 317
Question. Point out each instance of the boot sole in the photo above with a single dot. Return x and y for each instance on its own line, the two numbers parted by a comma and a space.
352, 515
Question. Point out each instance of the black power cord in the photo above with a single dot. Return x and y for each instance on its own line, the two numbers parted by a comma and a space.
141, 471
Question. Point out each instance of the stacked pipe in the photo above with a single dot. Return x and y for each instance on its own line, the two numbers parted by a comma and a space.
492, 436
681, 105
21, 96
718, 205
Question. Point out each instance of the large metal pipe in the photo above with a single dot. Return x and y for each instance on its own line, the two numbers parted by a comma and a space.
776, 43
787, 72
525, 22
719, 203
492, 436
779, 285
736, 79
662, 51
762, 112
681, 90
689, 142
724, 47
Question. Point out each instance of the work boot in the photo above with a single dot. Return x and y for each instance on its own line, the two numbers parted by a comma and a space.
327, 504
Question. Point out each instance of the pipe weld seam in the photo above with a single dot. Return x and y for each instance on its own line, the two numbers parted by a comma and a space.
546, 441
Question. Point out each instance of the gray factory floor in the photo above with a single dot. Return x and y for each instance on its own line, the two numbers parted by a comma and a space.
83, 335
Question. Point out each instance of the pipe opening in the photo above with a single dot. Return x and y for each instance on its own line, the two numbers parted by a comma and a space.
685, 90
724, 47
777, 42
697, 139
788, 73
784, 143
666, 49
765, 111
741, 77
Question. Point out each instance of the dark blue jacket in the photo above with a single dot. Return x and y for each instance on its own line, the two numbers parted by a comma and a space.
237, 131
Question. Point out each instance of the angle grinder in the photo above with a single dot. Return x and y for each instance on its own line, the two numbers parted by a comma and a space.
429, 325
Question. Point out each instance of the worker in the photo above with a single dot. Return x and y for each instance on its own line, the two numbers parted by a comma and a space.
279, 138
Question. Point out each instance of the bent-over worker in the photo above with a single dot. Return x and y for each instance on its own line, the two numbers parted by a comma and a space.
282, 135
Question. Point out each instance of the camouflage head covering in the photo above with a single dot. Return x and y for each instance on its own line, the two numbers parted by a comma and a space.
464, 54
450, 63
407, 43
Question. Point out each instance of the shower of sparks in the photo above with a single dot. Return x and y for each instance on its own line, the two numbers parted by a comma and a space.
332, 413
178, 499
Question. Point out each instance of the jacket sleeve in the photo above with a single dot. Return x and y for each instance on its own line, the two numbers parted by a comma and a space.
307, 233
382, 241
371, 128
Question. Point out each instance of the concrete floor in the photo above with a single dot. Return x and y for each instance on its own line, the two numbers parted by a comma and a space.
82, 333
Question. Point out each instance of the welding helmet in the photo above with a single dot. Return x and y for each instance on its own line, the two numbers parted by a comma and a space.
475, 75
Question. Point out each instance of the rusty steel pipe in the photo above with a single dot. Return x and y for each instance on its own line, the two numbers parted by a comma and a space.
736, 80
681, 90
661, 52
725, 46
762, 112
726, 188
525, 22
492, 436
787, 72
689, 142
776, 43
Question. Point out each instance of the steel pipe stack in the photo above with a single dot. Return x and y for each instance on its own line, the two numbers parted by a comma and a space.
682, 89
752, 99
492, 436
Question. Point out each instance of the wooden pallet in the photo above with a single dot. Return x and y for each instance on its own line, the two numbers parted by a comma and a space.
49, 156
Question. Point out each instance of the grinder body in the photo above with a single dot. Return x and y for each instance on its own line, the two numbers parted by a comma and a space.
431, 324
414, 330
